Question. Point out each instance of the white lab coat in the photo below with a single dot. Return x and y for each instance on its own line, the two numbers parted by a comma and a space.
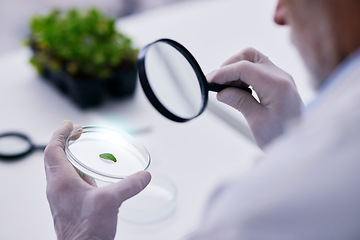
308, 184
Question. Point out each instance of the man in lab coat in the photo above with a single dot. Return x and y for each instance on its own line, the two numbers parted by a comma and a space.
307, 184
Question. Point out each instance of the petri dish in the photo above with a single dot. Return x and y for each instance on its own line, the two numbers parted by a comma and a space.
85, 144
155, 203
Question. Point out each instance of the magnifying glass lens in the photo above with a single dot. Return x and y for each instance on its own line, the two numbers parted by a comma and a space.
12, 146
173, 80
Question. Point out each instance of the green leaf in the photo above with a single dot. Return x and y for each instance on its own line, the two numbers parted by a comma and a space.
108, 156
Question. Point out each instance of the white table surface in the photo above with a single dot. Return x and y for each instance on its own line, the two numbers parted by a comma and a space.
197, 155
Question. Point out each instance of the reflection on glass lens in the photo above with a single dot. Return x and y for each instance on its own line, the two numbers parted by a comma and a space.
173, 80
13, 145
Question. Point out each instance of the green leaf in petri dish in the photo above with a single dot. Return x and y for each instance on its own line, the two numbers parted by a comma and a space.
108, 156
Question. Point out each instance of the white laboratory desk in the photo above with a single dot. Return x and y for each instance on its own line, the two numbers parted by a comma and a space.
197, 155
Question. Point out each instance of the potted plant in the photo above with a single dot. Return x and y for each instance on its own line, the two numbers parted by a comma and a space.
83, 55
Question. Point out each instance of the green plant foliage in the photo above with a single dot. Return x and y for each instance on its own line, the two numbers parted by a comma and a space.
84, 44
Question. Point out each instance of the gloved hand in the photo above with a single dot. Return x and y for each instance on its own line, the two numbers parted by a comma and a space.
81, 210
279, 101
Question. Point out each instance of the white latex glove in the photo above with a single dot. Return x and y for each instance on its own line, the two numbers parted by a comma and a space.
81, 210
279, 101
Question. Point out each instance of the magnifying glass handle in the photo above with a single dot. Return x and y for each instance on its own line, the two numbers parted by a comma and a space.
41, 147
219, 87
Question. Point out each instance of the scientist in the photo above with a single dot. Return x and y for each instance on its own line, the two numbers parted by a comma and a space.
307, 184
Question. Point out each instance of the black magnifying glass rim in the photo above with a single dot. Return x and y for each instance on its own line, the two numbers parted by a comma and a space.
20, 154
150, 93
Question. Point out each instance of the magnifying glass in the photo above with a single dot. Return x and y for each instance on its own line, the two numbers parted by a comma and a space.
14, 146
173, 81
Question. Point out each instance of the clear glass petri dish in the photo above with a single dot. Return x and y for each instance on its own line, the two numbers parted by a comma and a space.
157, 202
85, 144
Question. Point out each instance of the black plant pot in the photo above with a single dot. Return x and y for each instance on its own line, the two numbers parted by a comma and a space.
123, 83
86, 94
57, 79
93, 92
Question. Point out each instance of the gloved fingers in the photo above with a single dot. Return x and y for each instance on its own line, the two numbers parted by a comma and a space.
55, 160
263, 79
76, 133
248, 54
242, 101
59, 136
247, 68
234, 74
91, 181
129, 187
